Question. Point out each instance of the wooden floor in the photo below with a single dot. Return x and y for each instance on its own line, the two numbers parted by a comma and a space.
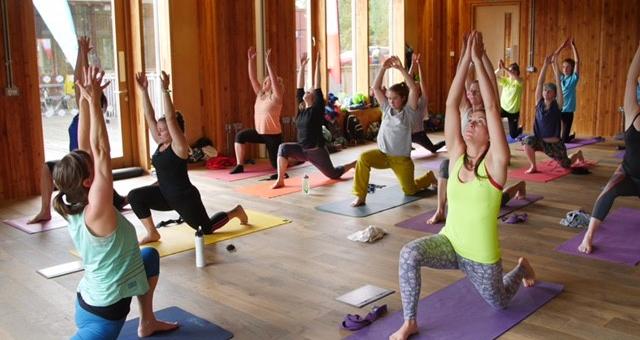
281, 283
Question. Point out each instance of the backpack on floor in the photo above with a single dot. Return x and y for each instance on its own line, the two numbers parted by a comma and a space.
353, 130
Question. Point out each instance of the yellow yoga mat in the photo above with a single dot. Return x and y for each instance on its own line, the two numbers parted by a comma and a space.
179, 238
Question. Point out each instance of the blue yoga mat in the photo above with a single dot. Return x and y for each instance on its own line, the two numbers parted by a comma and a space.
380, 200
458, 312
191, 327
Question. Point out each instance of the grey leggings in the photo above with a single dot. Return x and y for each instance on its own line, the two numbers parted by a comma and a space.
318, 156
620, 184
436, 251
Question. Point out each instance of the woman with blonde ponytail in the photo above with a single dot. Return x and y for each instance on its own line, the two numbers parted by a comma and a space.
115, 268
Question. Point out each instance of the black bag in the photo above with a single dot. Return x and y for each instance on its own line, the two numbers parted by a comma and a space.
353, 130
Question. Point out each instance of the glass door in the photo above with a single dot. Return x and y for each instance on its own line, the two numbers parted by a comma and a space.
59, 23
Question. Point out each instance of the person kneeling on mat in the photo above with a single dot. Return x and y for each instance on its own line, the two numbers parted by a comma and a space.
517, 191
310, 145
115, 269
546, 129
398, 106
173, 190
267, 109
625, 181
469, 241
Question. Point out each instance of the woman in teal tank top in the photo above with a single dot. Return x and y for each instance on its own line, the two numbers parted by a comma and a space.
478, 169
115, 268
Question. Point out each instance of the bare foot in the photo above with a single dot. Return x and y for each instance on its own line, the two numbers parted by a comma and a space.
242, 215
151, 327
529, 278
358, 202
408, 328
437, 217
349, 166
585, 247
41, 217
155, 236
278, 184
532, 170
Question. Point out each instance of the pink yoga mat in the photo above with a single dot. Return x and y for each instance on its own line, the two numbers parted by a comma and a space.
55, 222
459, 312
418, 222
617, 240
250, 170
292, 185
547, 171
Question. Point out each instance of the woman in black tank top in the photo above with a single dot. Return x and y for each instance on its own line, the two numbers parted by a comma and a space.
625, 181
174, 190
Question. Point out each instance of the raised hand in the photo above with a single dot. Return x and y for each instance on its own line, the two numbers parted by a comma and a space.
164, 80
395, 62
416, 58
267, 56
92, 88
501, 64
84, 44
141, 81
304, 59
549, 59
251, 53
388, 63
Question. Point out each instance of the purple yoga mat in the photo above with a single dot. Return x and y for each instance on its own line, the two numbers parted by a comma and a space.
418, 222
458, 312
55, 222
620, 154
577, 142
616, 241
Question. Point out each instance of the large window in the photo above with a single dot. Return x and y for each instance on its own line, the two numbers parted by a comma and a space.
303, 38
379, 42
57, 30
340, 53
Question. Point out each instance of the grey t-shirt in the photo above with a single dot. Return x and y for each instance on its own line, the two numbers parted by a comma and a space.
421, 110
394, 136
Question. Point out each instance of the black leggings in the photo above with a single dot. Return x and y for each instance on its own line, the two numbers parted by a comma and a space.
424, 141
620, 184
188, 204
512, 119
318, 156
271, 141
566, 119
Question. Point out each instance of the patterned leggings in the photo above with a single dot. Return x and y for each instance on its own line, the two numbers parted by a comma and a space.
436, 251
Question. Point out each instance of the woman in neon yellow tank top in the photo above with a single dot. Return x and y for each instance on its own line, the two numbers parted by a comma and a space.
469, 241
115, 269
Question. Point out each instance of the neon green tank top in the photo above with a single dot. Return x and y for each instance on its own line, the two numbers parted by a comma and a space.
113, 267
472, 218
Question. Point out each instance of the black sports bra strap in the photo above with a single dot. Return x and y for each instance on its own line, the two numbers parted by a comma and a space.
634, 118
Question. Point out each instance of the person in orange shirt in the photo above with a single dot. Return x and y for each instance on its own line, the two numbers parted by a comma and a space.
266, 117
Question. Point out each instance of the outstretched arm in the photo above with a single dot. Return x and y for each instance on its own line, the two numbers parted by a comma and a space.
564, 44
275, 84
575, 55
498, 154
541, 78
631, 107
303, 65
149, 114
488, 68
452, 124
412, 100
82, 62
556, 77
178, 139
316, 74
253, 74
377, 83
100, 215
422, 81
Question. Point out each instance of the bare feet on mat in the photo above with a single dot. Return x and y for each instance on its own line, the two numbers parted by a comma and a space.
278, 184
41, 217
409, 327
531, 170
585, 247
155, 236
358, 202
151, 327
242, 215
436, 218
529, 278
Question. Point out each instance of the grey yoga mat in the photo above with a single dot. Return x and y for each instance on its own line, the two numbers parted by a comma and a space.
380, 200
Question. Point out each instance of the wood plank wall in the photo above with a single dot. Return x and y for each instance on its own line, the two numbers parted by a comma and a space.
21, 150
606, 31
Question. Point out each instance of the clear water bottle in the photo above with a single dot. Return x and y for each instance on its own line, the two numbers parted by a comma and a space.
306, 186
199, 248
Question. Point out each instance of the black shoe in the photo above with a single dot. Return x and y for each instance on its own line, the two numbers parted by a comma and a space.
438, 145
237, 169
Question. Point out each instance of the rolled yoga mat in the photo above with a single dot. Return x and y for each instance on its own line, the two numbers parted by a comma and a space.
617, 240
577, 142
380, 200
179, 238
459, 312
547, 171
418, 222
191, 327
